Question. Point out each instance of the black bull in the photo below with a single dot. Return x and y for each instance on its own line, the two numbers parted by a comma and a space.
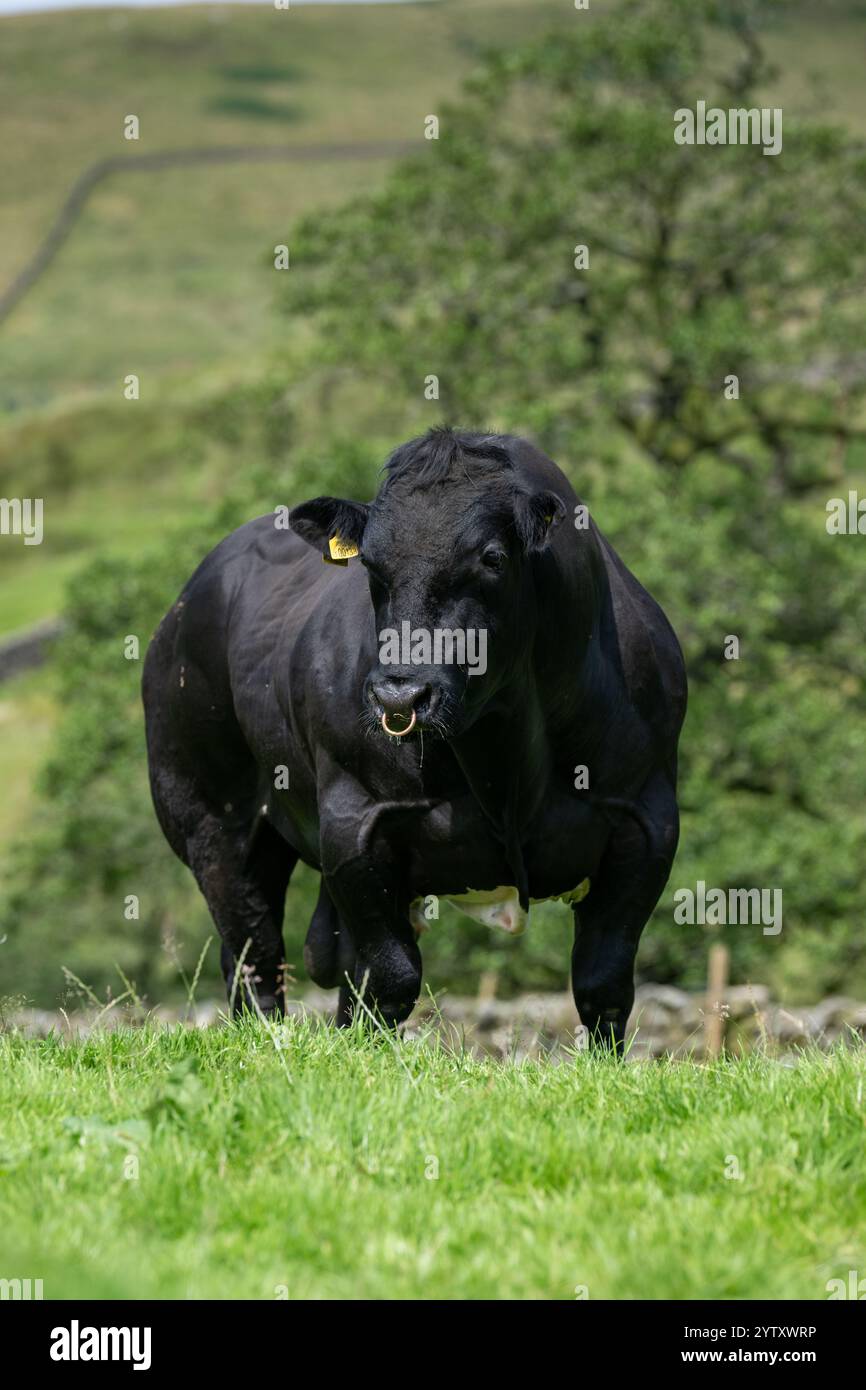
269, 709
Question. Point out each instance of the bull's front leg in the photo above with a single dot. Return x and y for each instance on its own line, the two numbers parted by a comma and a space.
365, 879
387, 972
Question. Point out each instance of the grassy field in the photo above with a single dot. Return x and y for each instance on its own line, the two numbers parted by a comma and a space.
213, 1164
172, 270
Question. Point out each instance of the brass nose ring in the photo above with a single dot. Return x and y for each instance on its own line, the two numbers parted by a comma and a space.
399, 733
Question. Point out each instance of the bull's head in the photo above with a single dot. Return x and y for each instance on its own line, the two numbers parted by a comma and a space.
448, 546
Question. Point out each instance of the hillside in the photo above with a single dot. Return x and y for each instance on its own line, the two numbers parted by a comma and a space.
168, 273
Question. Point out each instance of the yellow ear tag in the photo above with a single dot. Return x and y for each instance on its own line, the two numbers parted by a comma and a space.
341, 552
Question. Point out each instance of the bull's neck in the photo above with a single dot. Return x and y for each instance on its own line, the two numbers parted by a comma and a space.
509, 755
504, 755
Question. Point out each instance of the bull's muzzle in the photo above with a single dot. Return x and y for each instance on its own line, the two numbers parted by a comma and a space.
402, 703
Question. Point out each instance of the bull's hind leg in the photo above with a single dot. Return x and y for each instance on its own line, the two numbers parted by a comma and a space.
609, 921
242, 867
329, 954
243, 873
210, 800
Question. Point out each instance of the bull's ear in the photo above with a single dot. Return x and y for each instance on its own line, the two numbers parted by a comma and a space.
331, 525
535, 516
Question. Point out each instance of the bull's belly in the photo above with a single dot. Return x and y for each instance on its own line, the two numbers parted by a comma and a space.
493, 907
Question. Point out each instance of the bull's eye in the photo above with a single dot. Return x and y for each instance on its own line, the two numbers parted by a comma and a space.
493, 558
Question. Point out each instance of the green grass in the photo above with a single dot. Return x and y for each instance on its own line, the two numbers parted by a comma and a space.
310, 1168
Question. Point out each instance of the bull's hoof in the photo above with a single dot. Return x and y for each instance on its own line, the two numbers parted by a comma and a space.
393, 1013
389, 1013
271, 1005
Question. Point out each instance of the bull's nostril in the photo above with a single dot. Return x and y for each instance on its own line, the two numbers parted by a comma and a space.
400, 699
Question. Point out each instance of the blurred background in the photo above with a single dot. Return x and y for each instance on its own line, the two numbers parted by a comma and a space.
452, 257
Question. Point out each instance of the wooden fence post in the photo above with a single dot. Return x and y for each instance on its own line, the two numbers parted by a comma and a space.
717, 983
